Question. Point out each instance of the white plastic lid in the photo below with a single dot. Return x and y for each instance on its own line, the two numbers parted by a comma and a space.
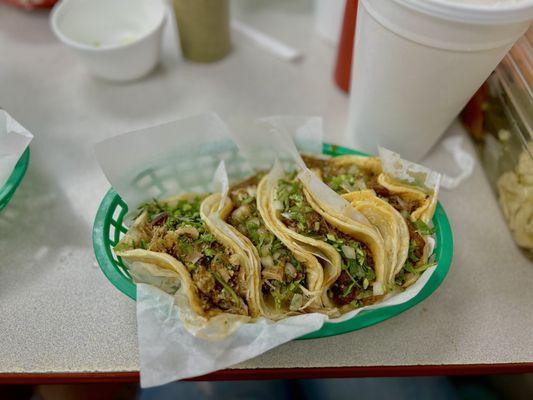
402, 18
501, 12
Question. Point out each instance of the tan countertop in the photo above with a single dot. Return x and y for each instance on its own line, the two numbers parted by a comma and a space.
58, 313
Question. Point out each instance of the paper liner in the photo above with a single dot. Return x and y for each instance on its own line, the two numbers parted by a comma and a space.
14, 139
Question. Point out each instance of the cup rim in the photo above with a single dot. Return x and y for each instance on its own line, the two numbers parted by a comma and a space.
58, 9
473, 13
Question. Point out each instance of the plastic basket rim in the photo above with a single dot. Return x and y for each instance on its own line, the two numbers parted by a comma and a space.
443, 254
13, 182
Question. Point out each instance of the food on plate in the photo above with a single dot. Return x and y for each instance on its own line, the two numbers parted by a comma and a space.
283, 243
351, 173
351, 253
288, 278
177, 235
399, 210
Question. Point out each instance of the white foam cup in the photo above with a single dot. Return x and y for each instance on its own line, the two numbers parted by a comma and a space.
418, 62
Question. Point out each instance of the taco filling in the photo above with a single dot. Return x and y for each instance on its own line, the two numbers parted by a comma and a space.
179, 231
415, 263
281, 272
350, 177
342, 179
354, 285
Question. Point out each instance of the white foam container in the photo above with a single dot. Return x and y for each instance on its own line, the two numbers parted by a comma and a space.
118, 40
418, 62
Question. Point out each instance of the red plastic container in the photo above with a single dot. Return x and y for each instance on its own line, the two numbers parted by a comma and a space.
30, 4
343, 67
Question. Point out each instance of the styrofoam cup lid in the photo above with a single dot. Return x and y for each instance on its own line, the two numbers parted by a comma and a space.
481, 11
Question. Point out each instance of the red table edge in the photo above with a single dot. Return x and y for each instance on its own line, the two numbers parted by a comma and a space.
278, 373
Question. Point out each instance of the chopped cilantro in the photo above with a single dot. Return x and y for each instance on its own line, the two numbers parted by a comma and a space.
229, 290
356, 303
422, 227
247, 200
298, 215
209, 252
207, 238
421, 268
411, 256
283, 292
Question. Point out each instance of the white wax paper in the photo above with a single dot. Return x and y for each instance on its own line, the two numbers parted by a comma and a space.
182, 156
172, 158
169, 352
407, 171
14, 139
464, 161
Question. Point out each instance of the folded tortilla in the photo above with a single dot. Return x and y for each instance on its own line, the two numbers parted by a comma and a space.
214, 273
279, 244
287, 279
390, 224
349, 173
394, 207
351, 252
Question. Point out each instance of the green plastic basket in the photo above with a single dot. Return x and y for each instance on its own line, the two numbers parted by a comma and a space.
8, 190
109, 227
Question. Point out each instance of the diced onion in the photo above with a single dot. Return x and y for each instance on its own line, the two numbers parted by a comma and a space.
349, 252
296, 302
286, 215
377, 289
290, 270
241, 213
267, 261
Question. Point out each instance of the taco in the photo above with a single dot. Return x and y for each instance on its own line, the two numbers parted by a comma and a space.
389, 223
349, 173
287, 278
400, 211
178, 234
350, 252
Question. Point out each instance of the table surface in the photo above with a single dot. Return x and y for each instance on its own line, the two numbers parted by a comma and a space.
59, 314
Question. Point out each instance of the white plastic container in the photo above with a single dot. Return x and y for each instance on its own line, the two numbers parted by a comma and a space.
118, 40
418, 62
